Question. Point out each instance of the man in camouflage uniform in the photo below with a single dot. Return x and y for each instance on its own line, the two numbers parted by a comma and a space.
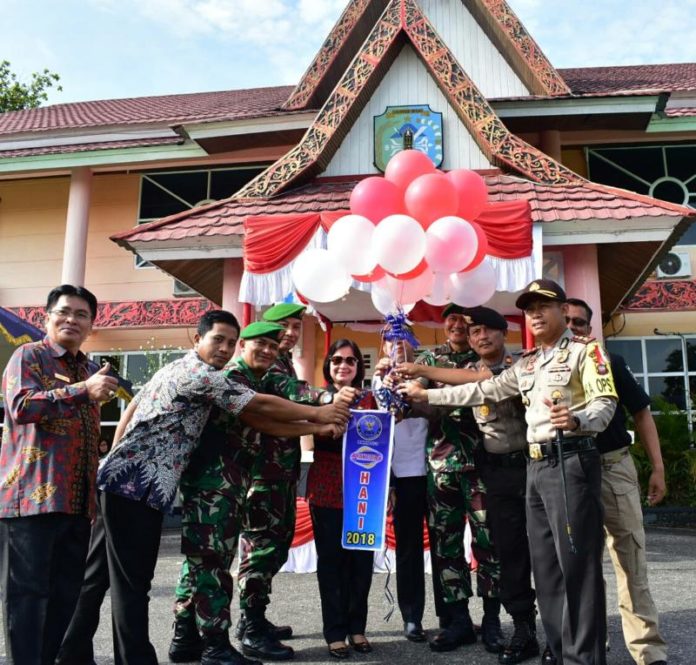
269, 518
455, 493
215, 489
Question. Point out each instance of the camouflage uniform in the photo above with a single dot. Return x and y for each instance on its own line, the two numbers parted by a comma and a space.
456, 492
269, 517
214, 488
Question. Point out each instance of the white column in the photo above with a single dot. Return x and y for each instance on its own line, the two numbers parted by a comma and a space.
76, 227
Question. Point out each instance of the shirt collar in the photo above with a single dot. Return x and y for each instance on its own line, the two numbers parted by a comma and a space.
58, 351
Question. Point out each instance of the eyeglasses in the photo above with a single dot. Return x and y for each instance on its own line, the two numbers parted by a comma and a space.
576, 321
348, 360
65, 313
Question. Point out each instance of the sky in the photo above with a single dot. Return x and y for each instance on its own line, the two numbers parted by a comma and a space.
105, 49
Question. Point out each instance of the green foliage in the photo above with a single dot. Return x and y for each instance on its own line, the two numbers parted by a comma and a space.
15, 95
678, 457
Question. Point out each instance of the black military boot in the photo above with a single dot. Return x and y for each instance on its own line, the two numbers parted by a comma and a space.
217, 650
460, 630
491, 632
186, 645
523, 643
258, 641
279, 632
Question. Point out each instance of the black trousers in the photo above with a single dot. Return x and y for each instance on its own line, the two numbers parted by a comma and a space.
569, 586
77, 647
507, 521
42, 563
344, 577
133, 532
410, 510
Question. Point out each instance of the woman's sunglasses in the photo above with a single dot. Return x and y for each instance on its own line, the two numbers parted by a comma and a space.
351, 361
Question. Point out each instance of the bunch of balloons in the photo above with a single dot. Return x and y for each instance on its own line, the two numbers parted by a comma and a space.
410, 234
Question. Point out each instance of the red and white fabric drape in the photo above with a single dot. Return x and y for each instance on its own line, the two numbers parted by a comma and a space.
273, 242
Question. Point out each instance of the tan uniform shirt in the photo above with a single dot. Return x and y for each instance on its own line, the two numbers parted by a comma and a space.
576, 372
502, 424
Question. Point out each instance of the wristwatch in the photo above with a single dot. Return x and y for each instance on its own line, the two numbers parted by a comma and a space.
326, 398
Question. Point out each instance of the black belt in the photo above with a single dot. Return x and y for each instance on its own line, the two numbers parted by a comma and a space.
516, 459
571, 445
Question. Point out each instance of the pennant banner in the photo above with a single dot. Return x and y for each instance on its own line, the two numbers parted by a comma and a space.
367, 451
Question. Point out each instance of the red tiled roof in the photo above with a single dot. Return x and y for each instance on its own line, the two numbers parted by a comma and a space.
680, 112
672, 77
170, 109
548, 203
84, 147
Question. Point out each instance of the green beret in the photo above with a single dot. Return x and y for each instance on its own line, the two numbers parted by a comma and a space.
452, 308
284, 310
262, 329
485, 316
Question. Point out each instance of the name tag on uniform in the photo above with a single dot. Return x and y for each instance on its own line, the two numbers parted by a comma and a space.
62, 377
535, 451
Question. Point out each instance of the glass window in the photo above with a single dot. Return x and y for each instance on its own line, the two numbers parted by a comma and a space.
664, 355
670, 388
631, 350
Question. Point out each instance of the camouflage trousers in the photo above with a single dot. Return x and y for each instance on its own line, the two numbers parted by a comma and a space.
268, 527
211, 522
454, 497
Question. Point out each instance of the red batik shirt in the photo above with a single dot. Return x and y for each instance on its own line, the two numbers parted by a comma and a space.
49, 452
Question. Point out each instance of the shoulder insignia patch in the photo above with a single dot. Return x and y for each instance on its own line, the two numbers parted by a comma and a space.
583, 339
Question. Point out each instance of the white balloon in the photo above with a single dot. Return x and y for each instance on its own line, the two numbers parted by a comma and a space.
319, 277
384, 301
440, 290
411, 290
451, 244
473, 288
399, 243
350, 240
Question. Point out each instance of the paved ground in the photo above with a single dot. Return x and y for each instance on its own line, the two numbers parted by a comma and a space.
671, 555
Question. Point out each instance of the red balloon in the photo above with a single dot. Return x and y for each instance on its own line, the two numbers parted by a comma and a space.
430, 197
371, 276
405, 166
376, 198
482, 247
411, 274
472, 191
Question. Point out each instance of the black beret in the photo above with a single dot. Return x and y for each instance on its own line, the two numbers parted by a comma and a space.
485, 316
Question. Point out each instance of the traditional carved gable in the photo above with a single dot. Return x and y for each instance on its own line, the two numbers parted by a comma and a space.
402, 22
494, 16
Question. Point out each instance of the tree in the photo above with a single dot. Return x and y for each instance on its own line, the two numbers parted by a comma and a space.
15, 95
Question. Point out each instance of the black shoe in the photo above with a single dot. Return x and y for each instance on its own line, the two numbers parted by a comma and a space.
659, 662
547, 658
523, 643
459, 632
260, 643
186, 645
279, 632
413, 631
491, 632
217, 650
363, 646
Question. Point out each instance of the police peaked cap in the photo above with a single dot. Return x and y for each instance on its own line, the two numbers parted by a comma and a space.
485, 316
262, 329
284, 310
541, 289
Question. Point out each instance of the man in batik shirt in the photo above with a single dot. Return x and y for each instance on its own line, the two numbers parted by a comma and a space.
48, 463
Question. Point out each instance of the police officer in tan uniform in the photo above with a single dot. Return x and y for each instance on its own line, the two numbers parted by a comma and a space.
568, 391
503, 468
